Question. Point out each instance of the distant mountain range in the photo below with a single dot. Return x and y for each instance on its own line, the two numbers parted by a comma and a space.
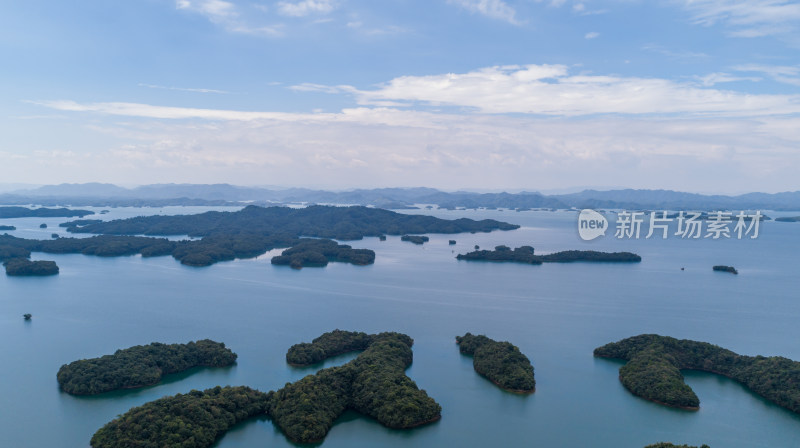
158, 195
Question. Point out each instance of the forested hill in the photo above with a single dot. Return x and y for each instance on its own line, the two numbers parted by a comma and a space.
342, 223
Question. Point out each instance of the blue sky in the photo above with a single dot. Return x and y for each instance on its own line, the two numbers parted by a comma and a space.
694, 95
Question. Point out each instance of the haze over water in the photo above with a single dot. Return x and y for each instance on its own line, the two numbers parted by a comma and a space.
556, 313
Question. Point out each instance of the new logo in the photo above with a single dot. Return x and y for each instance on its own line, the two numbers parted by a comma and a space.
591, 225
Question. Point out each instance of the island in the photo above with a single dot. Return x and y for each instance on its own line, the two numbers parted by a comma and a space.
500, 362
451, 242
317, 253
22, 267
140, 366
730, 269
318, 221
655, 362
193, 420
25, 212
788, 219
374, 384
42, 226
330, 344
27, 316
7, 228
525, 255
248, 233
416, 239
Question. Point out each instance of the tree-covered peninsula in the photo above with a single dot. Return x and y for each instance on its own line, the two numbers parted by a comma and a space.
655, 362
193, 420
139, 366
501, 362
373, 384
330, 344
525, 255
318, 252
340, 223
22, 267
25, 212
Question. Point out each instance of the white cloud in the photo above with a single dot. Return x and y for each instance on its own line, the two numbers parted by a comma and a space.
226, 15
592, 35
495, 9
751, 18
780, 73
382, 147
553, 90
721, 77
183, 89
306, 7
216, 10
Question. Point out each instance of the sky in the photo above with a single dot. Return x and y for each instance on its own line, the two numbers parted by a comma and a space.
690, 95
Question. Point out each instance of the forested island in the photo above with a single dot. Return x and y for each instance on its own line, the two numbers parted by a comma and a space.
374, 384
330, 344
788, 219
317, 253
2, 228
248, 233
501, 362
193, 420
22, 267
139, 366
655, 362
525, 255
16, 262
25, 212
340, 223
729, 269
416, 239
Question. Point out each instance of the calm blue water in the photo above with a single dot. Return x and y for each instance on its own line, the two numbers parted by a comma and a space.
556, 313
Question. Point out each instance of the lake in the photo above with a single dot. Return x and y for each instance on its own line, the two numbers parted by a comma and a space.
556, 313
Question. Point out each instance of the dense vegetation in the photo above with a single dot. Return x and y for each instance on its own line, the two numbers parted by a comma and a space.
24, 212
654, 364
374, 384
788, 219
318, 252
248, 233
7, 228
139, 366
333, 343
193, 420
416, 239
22, 267
501, 362
525, 254
730, 269
340, 223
